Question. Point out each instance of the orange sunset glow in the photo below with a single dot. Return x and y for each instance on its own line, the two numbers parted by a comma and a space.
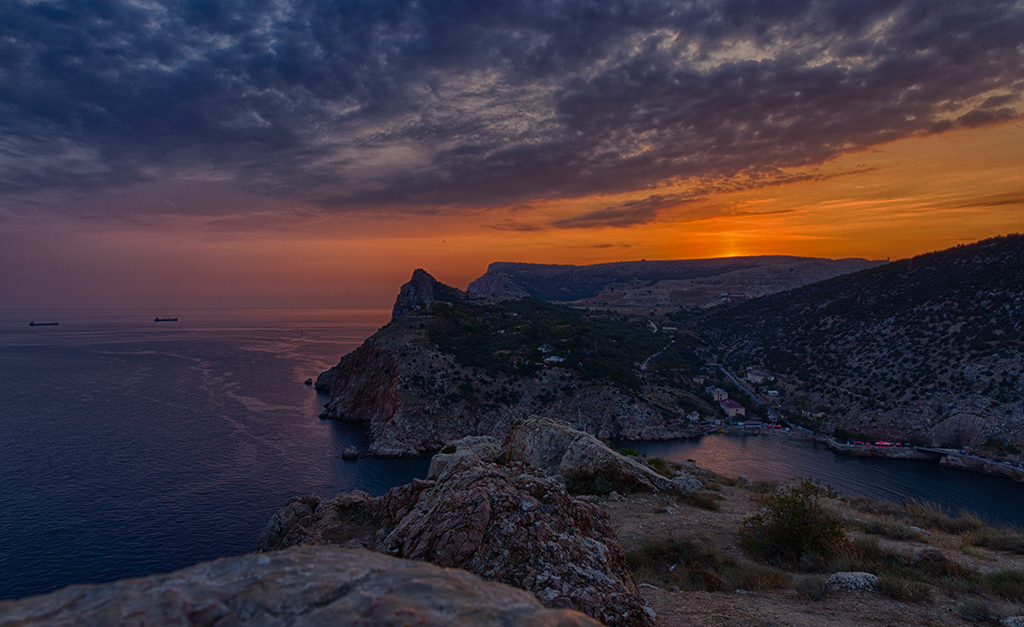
285, 176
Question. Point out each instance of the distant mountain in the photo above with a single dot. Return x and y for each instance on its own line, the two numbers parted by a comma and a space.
660, 284
929, 347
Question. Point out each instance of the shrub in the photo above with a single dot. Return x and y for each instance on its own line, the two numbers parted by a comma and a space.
661, 467
763, 487
901, 589
976, 611
793, 526
1007, 583
1011, 541
894, 530
699, 565
812, 587
933, 516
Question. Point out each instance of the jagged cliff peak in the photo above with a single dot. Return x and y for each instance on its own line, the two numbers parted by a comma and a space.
423, 289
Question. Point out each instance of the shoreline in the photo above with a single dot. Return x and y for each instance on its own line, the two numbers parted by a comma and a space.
947, 458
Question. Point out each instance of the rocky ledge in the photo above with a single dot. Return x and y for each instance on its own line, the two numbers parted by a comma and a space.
309, 585
507, 517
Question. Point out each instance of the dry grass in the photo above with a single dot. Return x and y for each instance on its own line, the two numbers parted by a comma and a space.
699, 565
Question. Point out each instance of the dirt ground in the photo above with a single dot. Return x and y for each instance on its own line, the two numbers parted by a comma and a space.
640, 518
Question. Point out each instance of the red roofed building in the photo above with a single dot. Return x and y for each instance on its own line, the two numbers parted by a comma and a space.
732, 408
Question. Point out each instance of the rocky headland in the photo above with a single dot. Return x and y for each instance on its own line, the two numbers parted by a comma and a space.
451, 364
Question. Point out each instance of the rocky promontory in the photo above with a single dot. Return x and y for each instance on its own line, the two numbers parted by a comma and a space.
451, 364
503, 512
305, 585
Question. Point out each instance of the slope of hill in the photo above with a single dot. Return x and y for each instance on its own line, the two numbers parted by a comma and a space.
929, 347
660, 284
451, 364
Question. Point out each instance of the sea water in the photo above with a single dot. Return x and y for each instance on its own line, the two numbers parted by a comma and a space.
130, 447
781, 458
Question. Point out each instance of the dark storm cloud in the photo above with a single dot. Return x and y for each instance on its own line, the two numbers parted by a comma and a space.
369, 103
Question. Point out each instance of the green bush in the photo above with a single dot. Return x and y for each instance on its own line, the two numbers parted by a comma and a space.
793, 527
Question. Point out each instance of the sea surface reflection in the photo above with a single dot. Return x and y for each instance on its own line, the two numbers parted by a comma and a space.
781, 458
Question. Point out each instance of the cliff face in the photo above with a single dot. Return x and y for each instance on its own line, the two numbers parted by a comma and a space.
415, 396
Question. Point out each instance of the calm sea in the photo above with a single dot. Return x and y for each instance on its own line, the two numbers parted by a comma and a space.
130, 447
998, 500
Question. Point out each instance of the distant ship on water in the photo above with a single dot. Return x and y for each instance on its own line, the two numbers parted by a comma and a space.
159, 319
42, 324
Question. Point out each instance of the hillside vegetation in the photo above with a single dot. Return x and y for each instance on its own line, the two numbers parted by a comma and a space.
516, 336
900, 349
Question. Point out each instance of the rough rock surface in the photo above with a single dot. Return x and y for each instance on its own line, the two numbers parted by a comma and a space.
348, 519
300, 586
586, 463
422, 290
851, 581
484, 447
507, 524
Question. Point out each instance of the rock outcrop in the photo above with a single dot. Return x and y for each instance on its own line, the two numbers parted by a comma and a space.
308, 585
585, 463
851, 581
422, 290
505, 523
484, 448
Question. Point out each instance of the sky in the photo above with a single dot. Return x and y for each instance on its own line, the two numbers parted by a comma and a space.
312, 153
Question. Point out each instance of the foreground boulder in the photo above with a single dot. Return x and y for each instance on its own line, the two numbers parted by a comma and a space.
505, 523
585, 463
301, 586
484, 447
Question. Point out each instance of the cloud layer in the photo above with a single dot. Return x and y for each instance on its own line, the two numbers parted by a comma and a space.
423, 104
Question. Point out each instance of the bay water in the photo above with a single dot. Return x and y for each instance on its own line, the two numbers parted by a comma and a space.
130, 447
781, 458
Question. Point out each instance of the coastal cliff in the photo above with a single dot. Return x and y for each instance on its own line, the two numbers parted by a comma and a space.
451, 364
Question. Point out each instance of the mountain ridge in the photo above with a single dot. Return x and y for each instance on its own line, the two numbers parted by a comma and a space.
928, 347
662, 284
